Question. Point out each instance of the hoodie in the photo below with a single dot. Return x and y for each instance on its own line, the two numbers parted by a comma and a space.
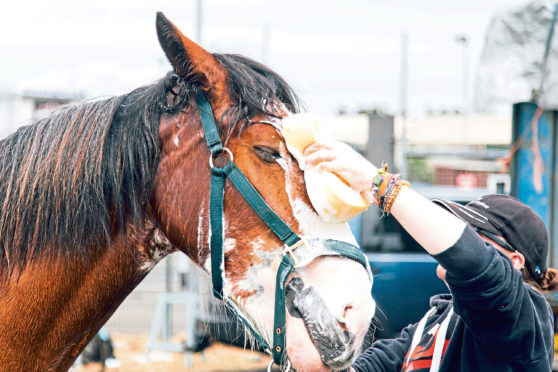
496, 321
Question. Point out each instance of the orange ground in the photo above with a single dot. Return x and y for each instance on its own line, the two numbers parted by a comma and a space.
130, 350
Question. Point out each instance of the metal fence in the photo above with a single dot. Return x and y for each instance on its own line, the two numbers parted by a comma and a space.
136, 314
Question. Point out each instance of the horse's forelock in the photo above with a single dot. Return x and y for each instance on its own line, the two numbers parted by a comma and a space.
252, 88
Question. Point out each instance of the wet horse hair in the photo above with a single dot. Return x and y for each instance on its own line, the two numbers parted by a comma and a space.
70, 181
94, 196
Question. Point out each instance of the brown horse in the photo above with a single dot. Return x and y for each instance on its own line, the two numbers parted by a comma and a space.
92, 197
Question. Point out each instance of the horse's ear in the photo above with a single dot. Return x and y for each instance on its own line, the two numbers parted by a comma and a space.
187, 57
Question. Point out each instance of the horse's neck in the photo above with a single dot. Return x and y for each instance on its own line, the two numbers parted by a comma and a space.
53, 310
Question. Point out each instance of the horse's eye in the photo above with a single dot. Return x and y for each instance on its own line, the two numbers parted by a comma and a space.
267, 154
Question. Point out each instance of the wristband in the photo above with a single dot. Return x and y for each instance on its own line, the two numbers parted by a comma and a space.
386, 187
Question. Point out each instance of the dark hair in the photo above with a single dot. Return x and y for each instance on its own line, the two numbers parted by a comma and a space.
547, 284
70, 181
254, 89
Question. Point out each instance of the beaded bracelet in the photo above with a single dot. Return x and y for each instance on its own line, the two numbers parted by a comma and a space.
391, 198
386, 188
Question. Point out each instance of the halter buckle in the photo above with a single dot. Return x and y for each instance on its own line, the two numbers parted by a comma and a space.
300, 257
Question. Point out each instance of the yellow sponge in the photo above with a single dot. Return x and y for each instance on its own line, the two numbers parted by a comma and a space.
331, 196
302, 130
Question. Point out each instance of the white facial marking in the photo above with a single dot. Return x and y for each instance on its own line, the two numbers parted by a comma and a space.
201, 230
229, 244
311, 224
204, 233
176, 141
252, 281
286, 163
256, 279
260, 277
201, 234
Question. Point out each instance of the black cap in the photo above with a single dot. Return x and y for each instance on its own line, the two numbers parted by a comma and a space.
506, 216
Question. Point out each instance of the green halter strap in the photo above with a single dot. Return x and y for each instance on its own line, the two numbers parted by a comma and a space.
275, 223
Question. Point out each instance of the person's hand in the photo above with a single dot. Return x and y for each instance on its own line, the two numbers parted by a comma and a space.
341, 159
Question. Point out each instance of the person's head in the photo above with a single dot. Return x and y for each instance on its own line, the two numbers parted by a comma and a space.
513, 228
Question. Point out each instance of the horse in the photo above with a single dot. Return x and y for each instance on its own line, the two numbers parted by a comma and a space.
93, 196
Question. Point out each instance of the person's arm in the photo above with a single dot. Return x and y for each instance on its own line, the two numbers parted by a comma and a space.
385, 355
504, 314
488, 292
431, 226
434, 228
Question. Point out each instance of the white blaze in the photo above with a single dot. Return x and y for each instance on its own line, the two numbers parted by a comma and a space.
310, 223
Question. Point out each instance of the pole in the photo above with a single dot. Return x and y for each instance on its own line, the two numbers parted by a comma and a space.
199, 14
403, 105
465, 82
265, 43
463, 40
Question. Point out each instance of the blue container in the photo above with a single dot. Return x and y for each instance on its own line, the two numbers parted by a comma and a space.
356, 226
536, 190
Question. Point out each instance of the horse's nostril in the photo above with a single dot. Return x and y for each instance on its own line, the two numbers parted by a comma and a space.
343, 321
346, 312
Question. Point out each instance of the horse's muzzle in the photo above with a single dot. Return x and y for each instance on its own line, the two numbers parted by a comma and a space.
334, 342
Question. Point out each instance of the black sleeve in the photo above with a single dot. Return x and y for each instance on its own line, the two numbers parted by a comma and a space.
386, 355
503, 314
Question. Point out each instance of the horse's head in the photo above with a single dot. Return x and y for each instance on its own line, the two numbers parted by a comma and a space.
328, 298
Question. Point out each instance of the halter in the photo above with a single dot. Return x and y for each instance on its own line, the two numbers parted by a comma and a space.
298, 252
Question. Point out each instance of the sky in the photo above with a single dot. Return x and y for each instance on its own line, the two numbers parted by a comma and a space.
343, 54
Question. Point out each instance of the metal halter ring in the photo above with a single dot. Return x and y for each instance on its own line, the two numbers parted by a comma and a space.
287, 366
229, 153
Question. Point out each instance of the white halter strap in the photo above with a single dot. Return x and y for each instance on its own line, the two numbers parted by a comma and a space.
440, 339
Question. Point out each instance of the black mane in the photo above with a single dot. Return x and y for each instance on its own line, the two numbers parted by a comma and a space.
68, 182
255, 88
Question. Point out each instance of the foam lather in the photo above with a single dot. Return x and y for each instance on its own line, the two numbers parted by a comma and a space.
331, 196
